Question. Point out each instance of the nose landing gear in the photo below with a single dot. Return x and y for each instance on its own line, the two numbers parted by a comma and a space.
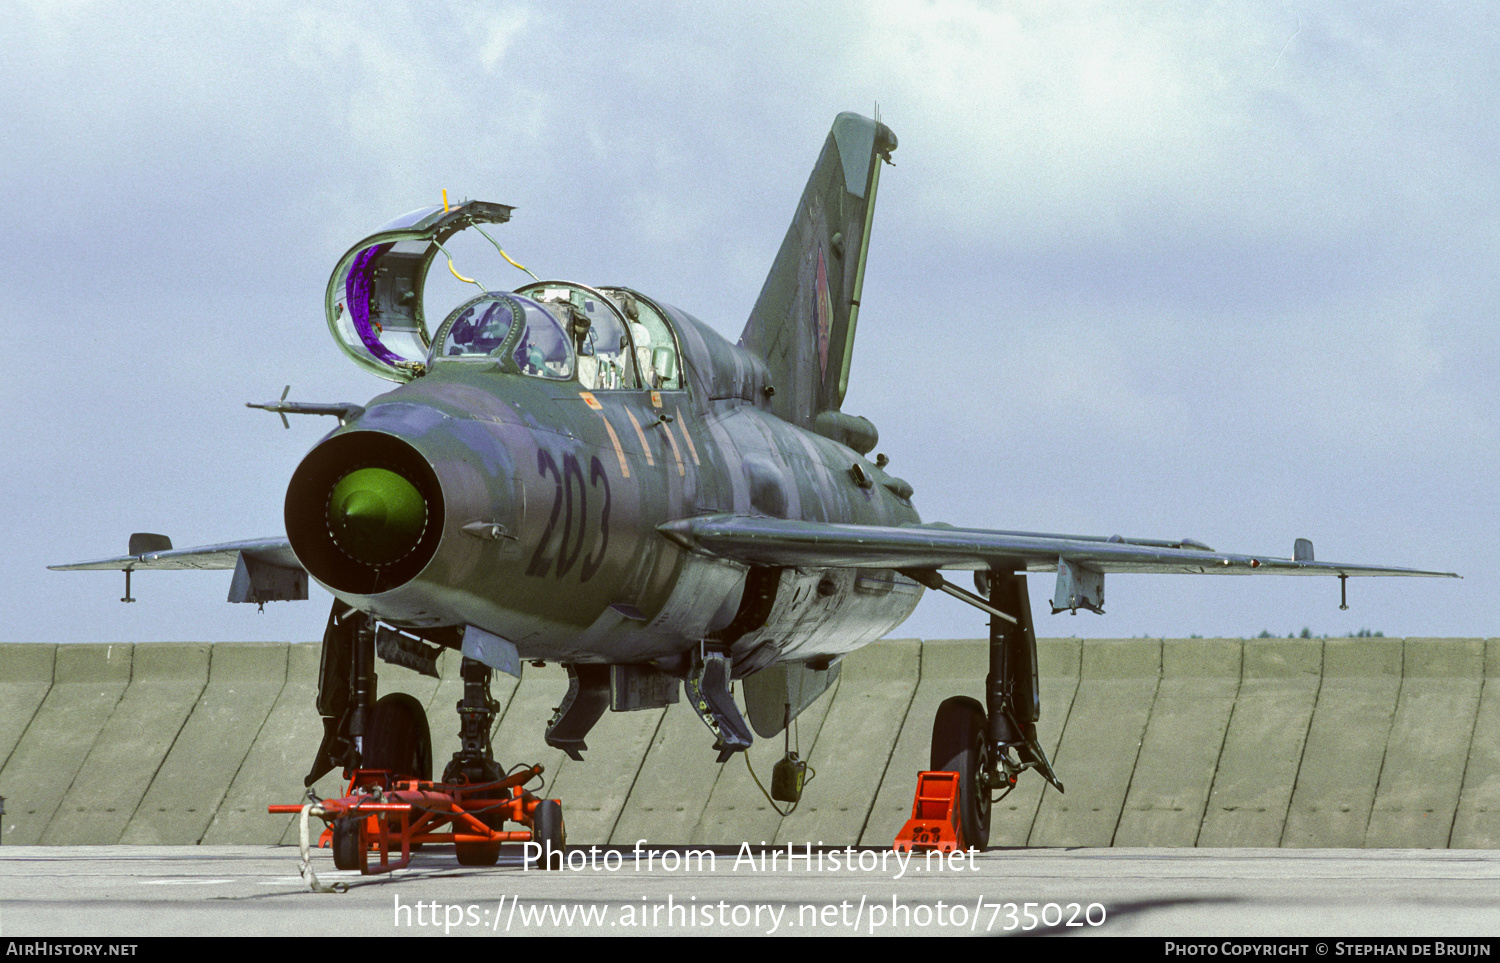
392, 805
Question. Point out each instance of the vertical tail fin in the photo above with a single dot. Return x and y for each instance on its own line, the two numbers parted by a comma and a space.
802, 325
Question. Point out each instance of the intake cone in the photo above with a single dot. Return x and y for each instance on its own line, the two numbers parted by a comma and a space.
364, 512
376, 515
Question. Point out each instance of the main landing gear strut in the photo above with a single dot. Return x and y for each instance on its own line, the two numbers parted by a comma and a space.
978, 750
393, 805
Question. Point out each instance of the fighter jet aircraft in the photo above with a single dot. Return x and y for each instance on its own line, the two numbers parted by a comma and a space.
589, 476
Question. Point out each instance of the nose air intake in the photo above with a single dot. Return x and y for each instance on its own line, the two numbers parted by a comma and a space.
364, 512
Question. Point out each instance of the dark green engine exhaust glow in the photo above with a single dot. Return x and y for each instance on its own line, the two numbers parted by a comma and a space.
376, 515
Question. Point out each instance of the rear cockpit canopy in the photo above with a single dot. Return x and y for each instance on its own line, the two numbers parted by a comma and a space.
561, 330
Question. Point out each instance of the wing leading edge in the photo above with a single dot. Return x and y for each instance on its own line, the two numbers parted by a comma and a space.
265, 569
775, 541
1080, 561
272, 551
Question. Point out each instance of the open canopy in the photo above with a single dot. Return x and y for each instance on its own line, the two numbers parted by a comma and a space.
374, 298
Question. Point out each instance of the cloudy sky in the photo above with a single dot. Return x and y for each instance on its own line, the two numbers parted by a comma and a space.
1152, 269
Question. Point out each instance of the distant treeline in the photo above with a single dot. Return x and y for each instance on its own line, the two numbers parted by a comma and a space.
1307, 633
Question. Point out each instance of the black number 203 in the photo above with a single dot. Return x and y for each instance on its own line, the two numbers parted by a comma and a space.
570, 506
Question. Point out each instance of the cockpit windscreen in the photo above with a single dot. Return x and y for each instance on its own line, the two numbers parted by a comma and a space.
516, 332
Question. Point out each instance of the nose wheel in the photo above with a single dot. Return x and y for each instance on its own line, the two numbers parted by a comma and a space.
398, 739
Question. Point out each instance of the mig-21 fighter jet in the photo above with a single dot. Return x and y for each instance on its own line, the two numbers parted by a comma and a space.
586, 475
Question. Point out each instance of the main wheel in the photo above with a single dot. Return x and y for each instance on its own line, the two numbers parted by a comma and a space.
548, 830
346, 842
398, 739
960, 744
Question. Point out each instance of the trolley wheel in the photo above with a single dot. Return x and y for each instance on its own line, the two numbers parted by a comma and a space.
397, 738
960, 744
481, 854
477, 854
547, 829
346, 842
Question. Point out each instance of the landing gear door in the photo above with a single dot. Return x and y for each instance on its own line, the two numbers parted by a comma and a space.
374, 299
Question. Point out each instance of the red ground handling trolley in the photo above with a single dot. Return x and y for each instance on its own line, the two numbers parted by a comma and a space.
387, 815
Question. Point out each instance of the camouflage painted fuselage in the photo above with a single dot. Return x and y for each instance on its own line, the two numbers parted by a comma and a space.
551, 496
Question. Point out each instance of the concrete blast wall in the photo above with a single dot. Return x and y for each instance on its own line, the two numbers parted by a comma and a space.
1201, 742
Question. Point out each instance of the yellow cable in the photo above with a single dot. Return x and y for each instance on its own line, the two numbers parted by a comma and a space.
502, 252
460, 276
455, 270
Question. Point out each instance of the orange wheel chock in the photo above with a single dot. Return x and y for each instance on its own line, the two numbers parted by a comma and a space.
934, 822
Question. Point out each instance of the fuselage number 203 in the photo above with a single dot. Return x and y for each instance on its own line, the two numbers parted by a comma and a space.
559, 549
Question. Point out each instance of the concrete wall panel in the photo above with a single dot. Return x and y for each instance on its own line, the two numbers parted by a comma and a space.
1346, 744
1252, 787
853, 751
1477, 822
670, 792
1184, 736
166, 679
954, 667
280, 757
25, 677
244, 681
1100, 743
594, 792
87, 682
1429, 744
